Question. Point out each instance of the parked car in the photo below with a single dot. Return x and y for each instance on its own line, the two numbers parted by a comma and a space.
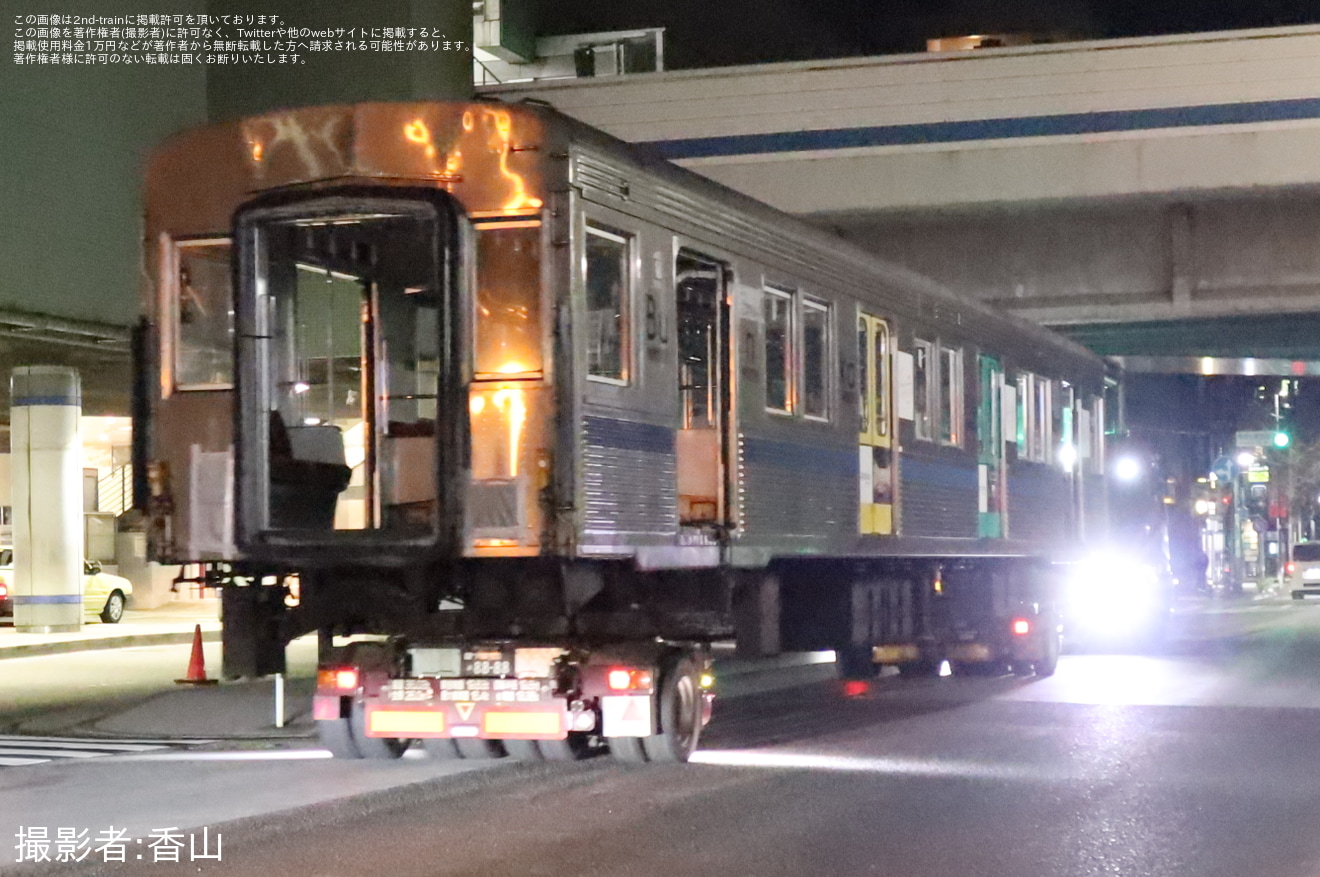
1304, 570
104, 594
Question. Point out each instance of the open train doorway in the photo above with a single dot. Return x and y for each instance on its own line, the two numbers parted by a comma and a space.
703, 386
340, 319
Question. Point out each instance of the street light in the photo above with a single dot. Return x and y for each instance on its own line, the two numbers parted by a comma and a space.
1246, 459
1127, 469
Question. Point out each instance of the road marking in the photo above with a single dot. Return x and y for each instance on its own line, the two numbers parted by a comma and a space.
17, 750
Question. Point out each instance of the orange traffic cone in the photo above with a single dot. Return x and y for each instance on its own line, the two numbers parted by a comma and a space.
197, 663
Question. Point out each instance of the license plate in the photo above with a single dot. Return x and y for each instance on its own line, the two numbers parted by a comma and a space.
495, 690
409, 690
492, 661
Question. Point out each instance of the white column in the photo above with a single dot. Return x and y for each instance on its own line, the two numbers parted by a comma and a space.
46, 446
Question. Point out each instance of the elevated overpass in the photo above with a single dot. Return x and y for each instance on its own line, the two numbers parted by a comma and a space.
1159, 196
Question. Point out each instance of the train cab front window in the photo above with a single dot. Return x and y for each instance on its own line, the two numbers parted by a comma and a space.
341, 345
508, 300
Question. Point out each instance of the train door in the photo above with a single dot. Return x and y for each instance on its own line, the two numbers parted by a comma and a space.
703, 387
875, 437
990, 448
343, 367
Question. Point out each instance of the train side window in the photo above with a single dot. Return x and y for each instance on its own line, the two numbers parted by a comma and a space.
1033, 432
1023, 416
1041, 422
1095, 437
881, 354
922, 356
815, 359
607, 293
777, 311
863, 389
1061, 422
508, 301
199, 315
951, 396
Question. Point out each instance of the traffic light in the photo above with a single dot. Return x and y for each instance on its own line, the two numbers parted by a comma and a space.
1282, 439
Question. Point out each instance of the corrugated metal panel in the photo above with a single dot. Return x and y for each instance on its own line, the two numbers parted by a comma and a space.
1038, 503
938, 498
794, 489
495, 505
629, 482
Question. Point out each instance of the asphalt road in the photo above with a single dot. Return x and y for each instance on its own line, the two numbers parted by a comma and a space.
1195, 762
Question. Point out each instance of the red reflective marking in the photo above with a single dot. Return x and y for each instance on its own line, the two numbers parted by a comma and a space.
856, 688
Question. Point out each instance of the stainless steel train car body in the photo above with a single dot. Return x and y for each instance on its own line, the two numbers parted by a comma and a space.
611, 443
481, 355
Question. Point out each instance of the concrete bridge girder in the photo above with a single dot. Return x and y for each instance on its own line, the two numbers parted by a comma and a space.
1121, 260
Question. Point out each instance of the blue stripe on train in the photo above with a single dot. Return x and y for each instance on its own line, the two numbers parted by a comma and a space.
803, 458
1060, 124
915, 470
628, 435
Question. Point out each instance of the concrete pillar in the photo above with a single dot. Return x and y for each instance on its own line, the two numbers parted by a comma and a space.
46, 455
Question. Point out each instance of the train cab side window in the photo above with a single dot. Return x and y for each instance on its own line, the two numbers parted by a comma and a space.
922, 364
777, 311
815, 359
951, 396
508, 301
607, 293
199, 315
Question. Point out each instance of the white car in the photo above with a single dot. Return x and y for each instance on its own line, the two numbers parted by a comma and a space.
104, 594
1304, 570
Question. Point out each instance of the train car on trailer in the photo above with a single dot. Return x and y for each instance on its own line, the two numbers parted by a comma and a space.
547, 417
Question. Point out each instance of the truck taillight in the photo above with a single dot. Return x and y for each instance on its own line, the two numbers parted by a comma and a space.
627, 679
343, 679
1021, 627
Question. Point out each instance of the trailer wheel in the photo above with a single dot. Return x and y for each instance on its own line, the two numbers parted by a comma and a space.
962, 668
923, 669
441, 748
680, 715
477, 749
854, 662
627, 749
1047, 665
523, 750
373, 747
575, 747
334, 735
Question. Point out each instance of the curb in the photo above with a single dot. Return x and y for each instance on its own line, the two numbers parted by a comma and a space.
32, 650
